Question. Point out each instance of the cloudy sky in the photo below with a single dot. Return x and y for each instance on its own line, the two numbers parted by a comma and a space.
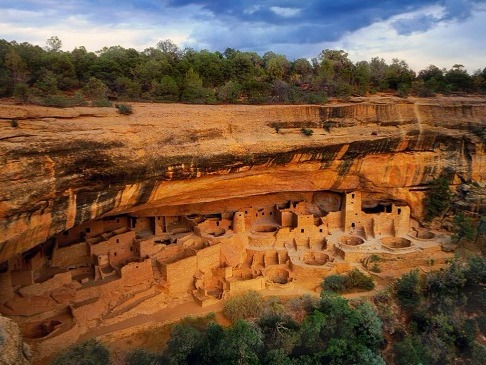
422, 32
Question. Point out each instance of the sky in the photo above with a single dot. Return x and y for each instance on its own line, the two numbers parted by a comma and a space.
421, 32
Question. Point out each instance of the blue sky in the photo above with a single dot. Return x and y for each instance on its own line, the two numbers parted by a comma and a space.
423, 32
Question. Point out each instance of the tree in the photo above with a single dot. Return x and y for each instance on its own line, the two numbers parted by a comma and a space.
90, 352
17, 66
53, 44
437, 198
463, 228
95, 89
408, 290
241, 344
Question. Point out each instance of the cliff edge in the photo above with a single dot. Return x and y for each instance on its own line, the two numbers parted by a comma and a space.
62, 167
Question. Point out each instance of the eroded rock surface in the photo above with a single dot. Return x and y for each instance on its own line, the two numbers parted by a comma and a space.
61, 168
12, 350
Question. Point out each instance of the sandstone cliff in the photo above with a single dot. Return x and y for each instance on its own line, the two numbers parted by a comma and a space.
63, 167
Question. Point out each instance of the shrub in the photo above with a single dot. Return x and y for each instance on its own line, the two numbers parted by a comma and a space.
376, 268
14, 123
141, 357
243, 306
308, 132
408, 290
21, 92
124, 109
357, 280
334, 283
345, 283
102, 103
57, 101
90, 352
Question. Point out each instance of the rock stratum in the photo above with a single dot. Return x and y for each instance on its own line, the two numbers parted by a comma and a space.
62, 167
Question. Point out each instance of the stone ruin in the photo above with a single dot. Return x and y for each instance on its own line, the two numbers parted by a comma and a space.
110, 269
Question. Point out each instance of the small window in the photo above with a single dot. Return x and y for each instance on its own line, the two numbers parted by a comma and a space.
131, 248
353, 225
263, 213
88, 230
117, 240
246, 212
256, 215
320, 230
271, 213
352, 196
114, 254
302, 230
399, 210
217, 224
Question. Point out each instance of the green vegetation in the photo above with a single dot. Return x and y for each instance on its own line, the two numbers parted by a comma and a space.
463, 228
353, 281
124, 109
428, 319
308, 132
437, 198
444, 313
166, 73
243, 306
91, 352
14, 123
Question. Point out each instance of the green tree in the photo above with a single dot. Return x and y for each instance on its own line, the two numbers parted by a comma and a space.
408, 290
463, 228
241, 344
53, 44
183, 344
437, 198
90, 352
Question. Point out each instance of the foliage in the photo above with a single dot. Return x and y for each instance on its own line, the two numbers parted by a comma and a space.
463, 228
14, 123
308, 132
167, 73
21, 92
243, 306
354, 280
90, 352
142, 357
408, 290
124, 109
437, 198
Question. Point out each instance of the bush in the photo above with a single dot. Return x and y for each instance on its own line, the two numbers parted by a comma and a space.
90, 352
408, 290
14, 123
243, 306
357, 280
124, 109
102, 103
142, 357
308, 132
21, 92
345, 283
57, 101
334, 283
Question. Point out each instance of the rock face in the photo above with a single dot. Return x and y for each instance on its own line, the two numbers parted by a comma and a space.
60, 168
12, 350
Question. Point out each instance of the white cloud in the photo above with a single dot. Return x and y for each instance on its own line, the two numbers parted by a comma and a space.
444, 45
285, 12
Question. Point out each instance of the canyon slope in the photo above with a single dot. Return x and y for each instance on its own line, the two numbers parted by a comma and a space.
60, 168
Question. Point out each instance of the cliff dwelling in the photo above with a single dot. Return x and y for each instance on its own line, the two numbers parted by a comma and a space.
102, 271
